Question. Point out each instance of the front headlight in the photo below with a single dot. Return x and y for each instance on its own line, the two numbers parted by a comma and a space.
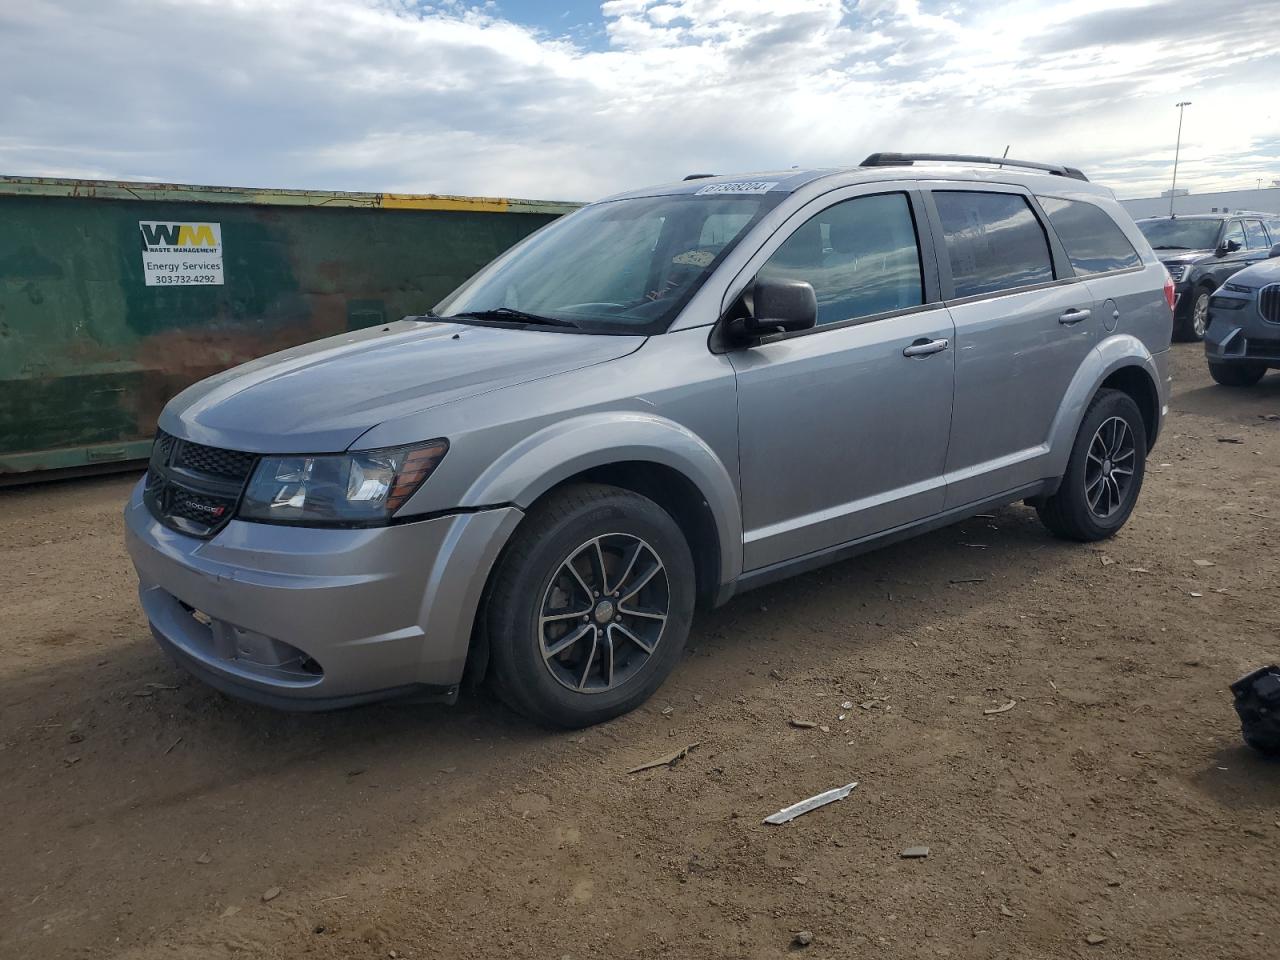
1226, 303
1176, 271
1237, 288
360, 489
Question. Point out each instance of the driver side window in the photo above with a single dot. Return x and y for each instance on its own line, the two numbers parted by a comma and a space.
861, 256
1234, 232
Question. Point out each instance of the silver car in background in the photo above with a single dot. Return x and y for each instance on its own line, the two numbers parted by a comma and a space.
663, 399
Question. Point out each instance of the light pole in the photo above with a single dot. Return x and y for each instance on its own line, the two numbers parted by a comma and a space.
1173, 190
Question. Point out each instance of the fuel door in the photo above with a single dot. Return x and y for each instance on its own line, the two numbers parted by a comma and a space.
1110, 316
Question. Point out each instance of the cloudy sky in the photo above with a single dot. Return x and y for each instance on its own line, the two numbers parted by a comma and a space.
572, 100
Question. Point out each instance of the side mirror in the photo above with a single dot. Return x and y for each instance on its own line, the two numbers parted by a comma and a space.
1275, 251
781, 306
1228, 246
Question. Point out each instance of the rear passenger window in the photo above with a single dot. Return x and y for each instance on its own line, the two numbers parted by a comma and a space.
860, 255
1257, 236
1093, 241
994, 242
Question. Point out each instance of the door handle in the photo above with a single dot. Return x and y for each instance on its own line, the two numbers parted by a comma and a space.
924, 348
1074, 316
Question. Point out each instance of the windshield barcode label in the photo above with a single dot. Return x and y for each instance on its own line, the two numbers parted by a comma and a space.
743, 186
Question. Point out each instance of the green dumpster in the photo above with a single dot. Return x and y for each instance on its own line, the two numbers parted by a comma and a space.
115, 296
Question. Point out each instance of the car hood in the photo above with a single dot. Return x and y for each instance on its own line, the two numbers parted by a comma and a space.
320, 397
1171, 257
1259, 275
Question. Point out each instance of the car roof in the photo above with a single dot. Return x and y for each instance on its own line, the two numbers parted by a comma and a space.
792, 180
1190, 216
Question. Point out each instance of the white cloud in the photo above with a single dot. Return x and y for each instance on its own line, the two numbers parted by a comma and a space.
450, 97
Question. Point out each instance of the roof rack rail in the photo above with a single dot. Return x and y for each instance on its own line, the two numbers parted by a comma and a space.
699, 176
907, 159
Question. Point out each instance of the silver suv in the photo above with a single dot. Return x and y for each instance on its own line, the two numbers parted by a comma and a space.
663, 399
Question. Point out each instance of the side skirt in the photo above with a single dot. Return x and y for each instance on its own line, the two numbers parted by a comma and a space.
843, 551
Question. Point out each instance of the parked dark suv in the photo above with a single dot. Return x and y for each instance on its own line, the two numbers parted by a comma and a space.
1201, 251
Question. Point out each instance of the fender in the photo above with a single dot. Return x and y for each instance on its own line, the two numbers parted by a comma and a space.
1112, 354
561, 450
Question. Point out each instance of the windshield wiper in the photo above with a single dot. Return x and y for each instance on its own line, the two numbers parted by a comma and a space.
515, 316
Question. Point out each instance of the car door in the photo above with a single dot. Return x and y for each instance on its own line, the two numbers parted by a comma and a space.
1123, 294
843, 428
1024, 324
1227, 260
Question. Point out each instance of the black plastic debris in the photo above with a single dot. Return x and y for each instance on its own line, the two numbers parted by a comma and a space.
1258, 704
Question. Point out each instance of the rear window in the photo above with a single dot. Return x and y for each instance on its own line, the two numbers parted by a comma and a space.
994, 242
1092, 239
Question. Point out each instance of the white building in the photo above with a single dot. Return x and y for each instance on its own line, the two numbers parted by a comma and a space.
1266, 200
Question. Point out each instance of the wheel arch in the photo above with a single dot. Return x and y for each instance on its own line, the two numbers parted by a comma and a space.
650, 455
677, 495
1121, 362
1133, 380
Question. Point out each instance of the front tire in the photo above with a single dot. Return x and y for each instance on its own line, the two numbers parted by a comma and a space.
1191, 328
1104, 474
590, 606
1237, 374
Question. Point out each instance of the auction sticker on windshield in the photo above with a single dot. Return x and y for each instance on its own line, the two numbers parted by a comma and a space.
181, 254
741, 186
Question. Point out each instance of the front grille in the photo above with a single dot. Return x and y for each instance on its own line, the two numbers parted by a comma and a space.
1269, 302
163, 447
198, 458
192, 488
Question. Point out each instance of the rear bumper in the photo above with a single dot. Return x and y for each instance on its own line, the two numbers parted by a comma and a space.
307, 618
1164, 389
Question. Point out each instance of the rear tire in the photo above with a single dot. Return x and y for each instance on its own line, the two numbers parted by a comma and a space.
572, 570
1237, 374
1191, 328
1104, 474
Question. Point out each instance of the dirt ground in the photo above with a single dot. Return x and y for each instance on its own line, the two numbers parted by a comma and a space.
143, 815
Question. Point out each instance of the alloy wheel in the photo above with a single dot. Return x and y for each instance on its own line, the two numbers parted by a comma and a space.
1108, 473
1200, 315
603, 613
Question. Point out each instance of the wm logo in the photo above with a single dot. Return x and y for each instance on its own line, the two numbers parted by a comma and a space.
164, 235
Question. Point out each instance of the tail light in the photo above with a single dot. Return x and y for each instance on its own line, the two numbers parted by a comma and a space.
1169, 295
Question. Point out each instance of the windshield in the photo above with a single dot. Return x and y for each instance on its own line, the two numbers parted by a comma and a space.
1181, 234
625, 266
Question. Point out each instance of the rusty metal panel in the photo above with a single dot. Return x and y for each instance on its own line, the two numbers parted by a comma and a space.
89, 353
